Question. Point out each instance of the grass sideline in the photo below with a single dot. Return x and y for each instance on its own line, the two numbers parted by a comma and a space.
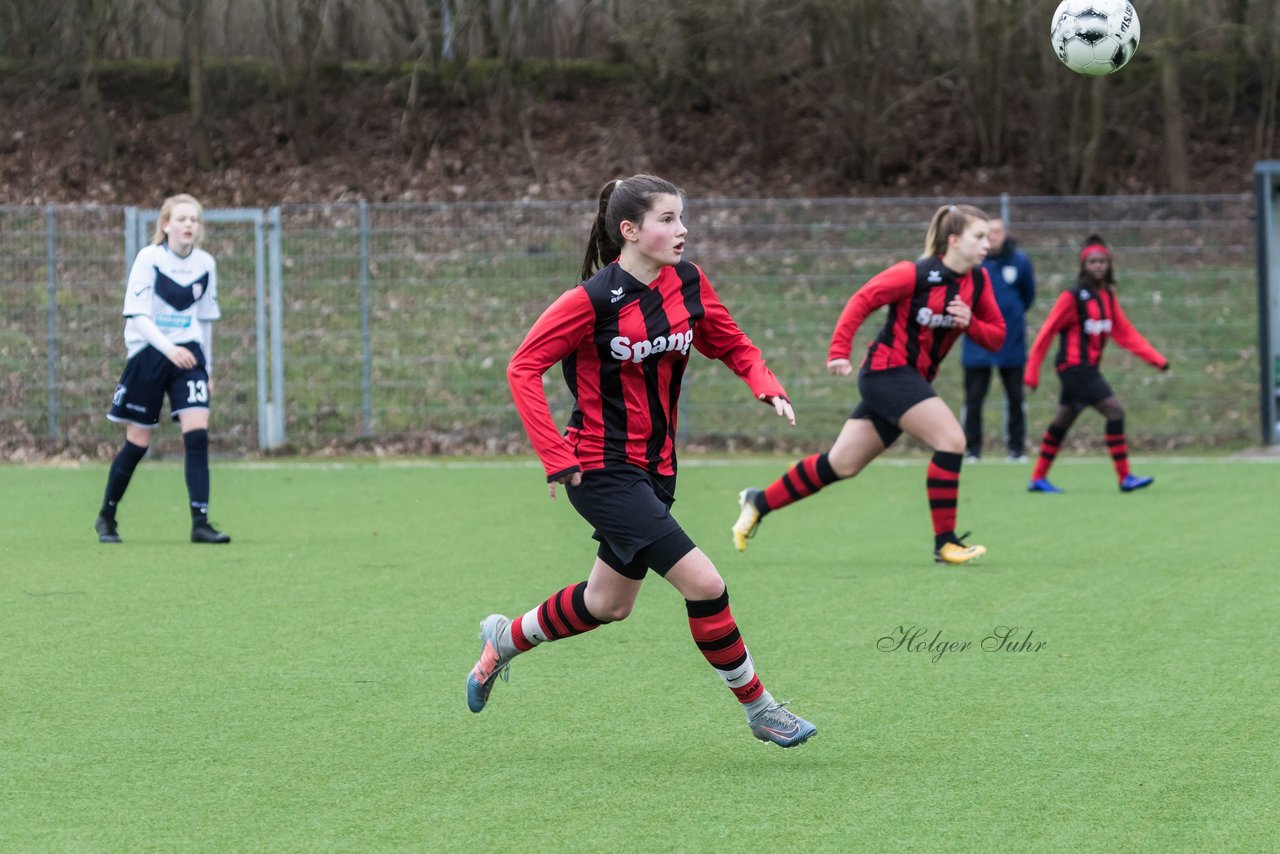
302, 689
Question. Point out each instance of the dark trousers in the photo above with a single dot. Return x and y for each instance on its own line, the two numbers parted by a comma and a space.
976, 383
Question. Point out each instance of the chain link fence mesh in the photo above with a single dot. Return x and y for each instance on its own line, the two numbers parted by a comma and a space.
398, 320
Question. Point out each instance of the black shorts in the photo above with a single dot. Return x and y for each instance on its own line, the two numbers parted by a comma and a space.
1083, 386
630, 510
148, 377
886, 397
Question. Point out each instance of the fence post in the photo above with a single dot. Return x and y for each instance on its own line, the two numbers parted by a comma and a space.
1267, 193
51, 261
366, 372
276, 265
130, 239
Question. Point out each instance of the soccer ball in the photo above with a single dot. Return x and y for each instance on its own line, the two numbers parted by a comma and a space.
1095, 36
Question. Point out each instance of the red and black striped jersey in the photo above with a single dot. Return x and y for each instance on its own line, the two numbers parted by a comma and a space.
1083, 319
918, 331
623, 346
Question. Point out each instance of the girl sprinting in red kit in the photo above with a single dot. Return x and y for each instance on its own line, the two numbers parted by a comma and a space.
1082, 320
623, 338
931, 302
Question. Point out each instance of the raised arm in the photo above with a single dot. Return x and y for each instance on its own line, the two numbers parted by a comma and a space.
887, 286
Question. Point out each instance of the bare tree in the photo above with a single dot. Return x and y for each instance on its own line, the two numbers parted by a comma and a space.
193, 30
190, 17
29, 29
1265, 132
91, 18
986, 70
1168, 50
419, 135
296, 30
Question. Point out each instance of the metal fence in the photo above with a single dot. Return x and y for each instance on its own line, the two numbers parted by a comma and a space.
389, 326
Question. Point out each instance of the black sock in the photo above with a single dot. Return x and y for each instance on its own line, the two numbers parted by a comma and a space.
196, 443
127, 459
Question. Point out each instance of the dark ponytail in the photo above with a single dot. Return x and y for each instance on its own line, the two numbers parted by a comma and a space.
624, 199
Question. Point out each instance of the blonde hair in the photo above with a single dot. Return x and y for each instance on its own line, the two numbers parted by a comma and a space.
948, 220
166, 213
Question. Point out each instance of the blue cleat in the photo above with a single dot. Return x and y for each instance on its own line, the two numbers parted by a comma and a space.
490, 666
1040, 484
775, 724
1133, 481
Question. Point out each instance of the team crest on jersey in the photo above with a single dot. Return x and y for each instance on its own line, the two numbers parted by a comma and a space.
1084, 294
118, 397
1010, 274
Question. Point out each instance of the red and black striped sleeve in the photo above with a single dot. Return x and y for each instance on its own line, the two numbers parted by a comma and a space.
718, 336
1062, 316
986, 326
553, 336
889, 286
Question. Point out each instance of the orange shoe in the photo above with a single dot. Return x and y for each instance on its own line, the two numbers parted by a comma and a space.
958, 553
748, 519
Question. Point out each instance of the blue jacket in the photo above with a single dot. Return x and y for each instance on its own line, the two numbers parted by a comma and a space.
1014, 281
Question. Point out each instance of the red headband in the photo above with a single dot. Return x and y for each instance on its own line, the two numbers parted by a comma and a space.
1094, 247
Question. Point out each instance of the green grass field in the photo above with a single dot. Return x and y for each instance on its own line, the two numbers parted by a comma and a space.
303, 688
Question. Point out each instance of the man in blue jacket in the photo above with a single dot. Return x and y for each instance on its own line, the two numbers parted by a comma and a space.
1014, 282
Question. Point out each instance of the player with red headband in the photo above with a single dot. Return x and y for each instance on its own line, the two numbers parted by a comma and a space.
1083, 319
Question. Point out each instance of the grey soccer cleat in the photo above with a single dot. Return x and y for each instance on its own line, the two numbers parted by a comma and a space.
776, 724
490, 666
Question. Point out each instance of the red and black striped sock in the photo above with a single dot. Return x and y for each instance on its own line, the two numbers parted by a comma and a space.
1119, 447
800, 481
942, 485
1048, 451
562, 616
717, 636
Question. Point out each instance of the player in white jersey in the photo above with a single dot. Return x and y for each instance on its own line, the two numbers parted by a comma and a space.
170, 303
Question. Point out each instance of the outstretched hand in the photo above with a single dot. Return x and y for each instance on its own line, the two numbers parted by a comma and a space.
571, 479
783, 407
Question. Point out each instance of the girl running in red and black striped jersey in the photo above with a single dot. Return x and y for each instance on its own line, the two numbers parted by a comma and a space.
1083, 318
931, 302
623, 338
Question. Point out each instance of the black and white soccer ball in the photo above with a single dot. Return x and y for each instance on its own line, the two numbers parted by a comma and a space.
1095, 36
